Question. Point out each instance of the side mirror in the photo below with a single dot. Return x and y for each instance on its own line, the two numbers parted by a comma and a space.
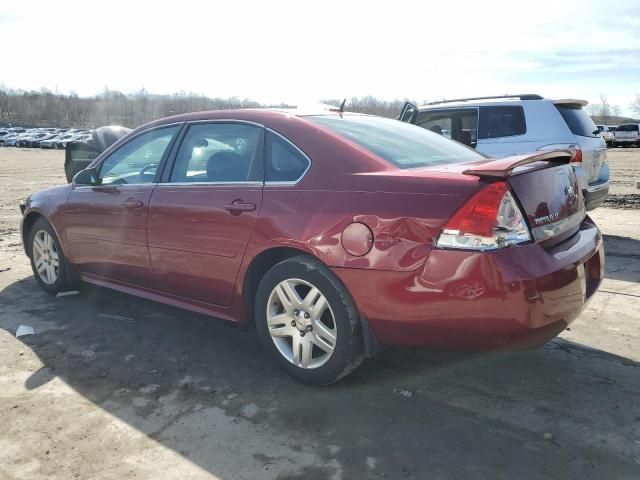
88, 176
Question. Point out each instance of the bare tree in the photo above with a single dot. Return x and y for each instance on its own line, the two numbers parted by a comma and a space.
605, 109
616, 111
635, 105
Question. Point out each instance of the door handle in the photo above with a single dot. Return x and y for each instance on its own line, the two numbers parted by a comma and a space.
131, 203
238, 206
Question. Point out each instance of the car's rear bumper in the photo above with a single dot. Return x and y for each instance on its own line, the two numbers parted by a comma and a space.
518, 297
595, 194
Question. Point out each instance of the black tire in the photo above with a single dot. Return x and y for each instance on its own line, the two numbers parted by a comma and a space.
64, 280
348, 352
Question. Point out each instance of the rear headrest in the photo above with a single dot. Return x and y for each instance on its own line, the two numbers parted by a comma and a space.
227, 167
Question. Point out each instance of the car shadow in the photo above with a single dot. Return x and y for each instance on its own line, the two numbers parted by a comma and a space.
203, 388
622, 258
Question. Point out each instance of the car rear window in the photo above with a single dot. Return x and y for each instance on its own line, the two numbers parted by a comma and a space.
578, 121
401, 144
632, 127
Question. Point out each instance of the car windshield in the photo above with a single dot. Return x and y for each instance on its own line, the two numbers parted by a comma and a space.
627, 128
402, 144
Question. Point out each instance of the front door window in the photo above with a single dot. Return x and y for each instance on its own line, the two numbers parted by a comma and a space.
136, 161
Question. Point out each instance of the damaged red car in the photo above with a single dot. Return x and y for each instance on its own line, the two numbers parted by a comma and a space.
333, 233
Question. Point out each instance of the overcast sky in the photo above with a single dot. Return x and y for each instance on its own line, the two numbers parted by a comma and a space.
300, 51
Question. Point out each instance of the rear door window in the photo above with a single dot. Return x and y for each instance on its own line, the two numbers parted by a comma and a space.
505, 121
578, 121
218, 153
460, 125
285, 162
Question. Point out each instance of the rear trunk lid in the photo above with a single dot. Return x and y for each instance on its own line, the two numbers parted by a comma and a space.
547, 190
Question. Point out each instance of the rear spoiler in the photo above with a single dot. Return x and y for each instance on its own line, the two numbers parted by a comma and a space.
571, 102
504, 167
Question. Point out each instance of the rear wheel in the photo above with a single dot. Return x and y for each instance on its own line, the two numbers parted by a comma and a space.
47, 260
307, 321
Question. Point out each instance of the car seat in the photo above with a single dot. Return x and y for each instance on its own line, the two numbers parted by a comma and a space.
227, 167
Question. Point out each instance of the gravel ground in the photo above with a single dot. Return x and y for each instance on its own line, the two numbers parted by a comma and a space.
152, 392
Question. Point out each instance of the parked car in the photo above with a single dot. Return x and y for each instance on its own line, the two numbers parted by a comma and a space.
627, 134
16, 140
27, 139
60, 140
84, 148
333, 233
8, 139
517, 124
52, 142
35, 142
606, 132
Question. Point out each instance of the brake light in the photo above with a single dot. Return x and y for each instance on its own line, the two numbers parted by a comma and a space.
576, 154
491, 219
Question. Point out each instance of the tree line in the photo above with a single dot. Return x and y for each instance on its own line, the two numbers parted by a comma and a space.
45, 108
606, 113
110, 107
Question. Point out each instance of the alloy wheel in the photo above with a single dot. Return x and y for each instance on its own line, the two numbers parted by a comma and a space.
301, 323
45, 257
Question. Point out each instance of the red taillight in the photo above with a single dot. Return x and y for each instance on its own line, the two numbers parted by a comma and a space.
489, 220
478, 215
576, 156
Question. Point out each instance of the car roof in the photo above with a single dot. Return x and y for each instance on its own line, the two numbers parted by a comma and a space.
263, 116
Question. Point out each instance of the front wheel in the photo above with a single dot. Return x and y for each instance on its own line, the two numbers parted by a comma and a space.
307, 321
47, 260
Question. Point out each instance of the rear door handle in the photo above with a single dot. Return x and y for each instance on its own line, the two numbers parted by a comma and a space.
132, 203
238, 206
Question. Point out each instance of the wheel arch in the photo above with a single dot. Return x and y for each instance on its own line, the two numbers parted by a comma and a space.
27, 223
260, 265
266, 259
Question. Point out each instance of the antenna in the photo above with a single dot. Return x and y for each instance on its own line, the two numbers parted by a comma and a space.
340, 109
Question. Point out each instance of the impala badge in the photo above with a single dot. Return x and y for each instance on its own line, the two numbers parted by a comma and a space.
552, 217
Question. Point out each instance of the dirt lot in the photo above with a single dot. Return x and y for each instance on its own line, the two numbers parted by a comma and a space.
167, 394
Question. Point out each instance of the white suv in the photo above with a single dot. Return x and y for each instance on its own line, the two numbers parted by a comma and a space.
627, 134
606, 132
517, 124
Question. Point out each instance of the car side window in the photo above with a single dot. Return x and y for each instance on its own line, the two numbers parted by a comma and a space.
284, 162
460, 125
218, 152
504, 121
136, 161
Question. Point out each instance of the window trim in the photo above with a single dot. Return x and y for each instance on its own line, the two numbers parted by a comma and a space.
277, 183
165, 178
163, 160
524, 119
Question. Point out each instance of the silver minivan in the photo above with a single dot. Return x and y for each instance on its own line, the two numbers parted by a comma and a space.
517, 124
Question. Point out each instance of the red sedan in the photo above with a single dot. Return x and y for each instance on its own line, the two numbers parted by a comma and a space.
333, 233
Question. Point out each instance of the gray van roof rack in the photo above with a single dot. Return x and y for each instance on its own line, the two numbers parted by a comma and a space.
523, 96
